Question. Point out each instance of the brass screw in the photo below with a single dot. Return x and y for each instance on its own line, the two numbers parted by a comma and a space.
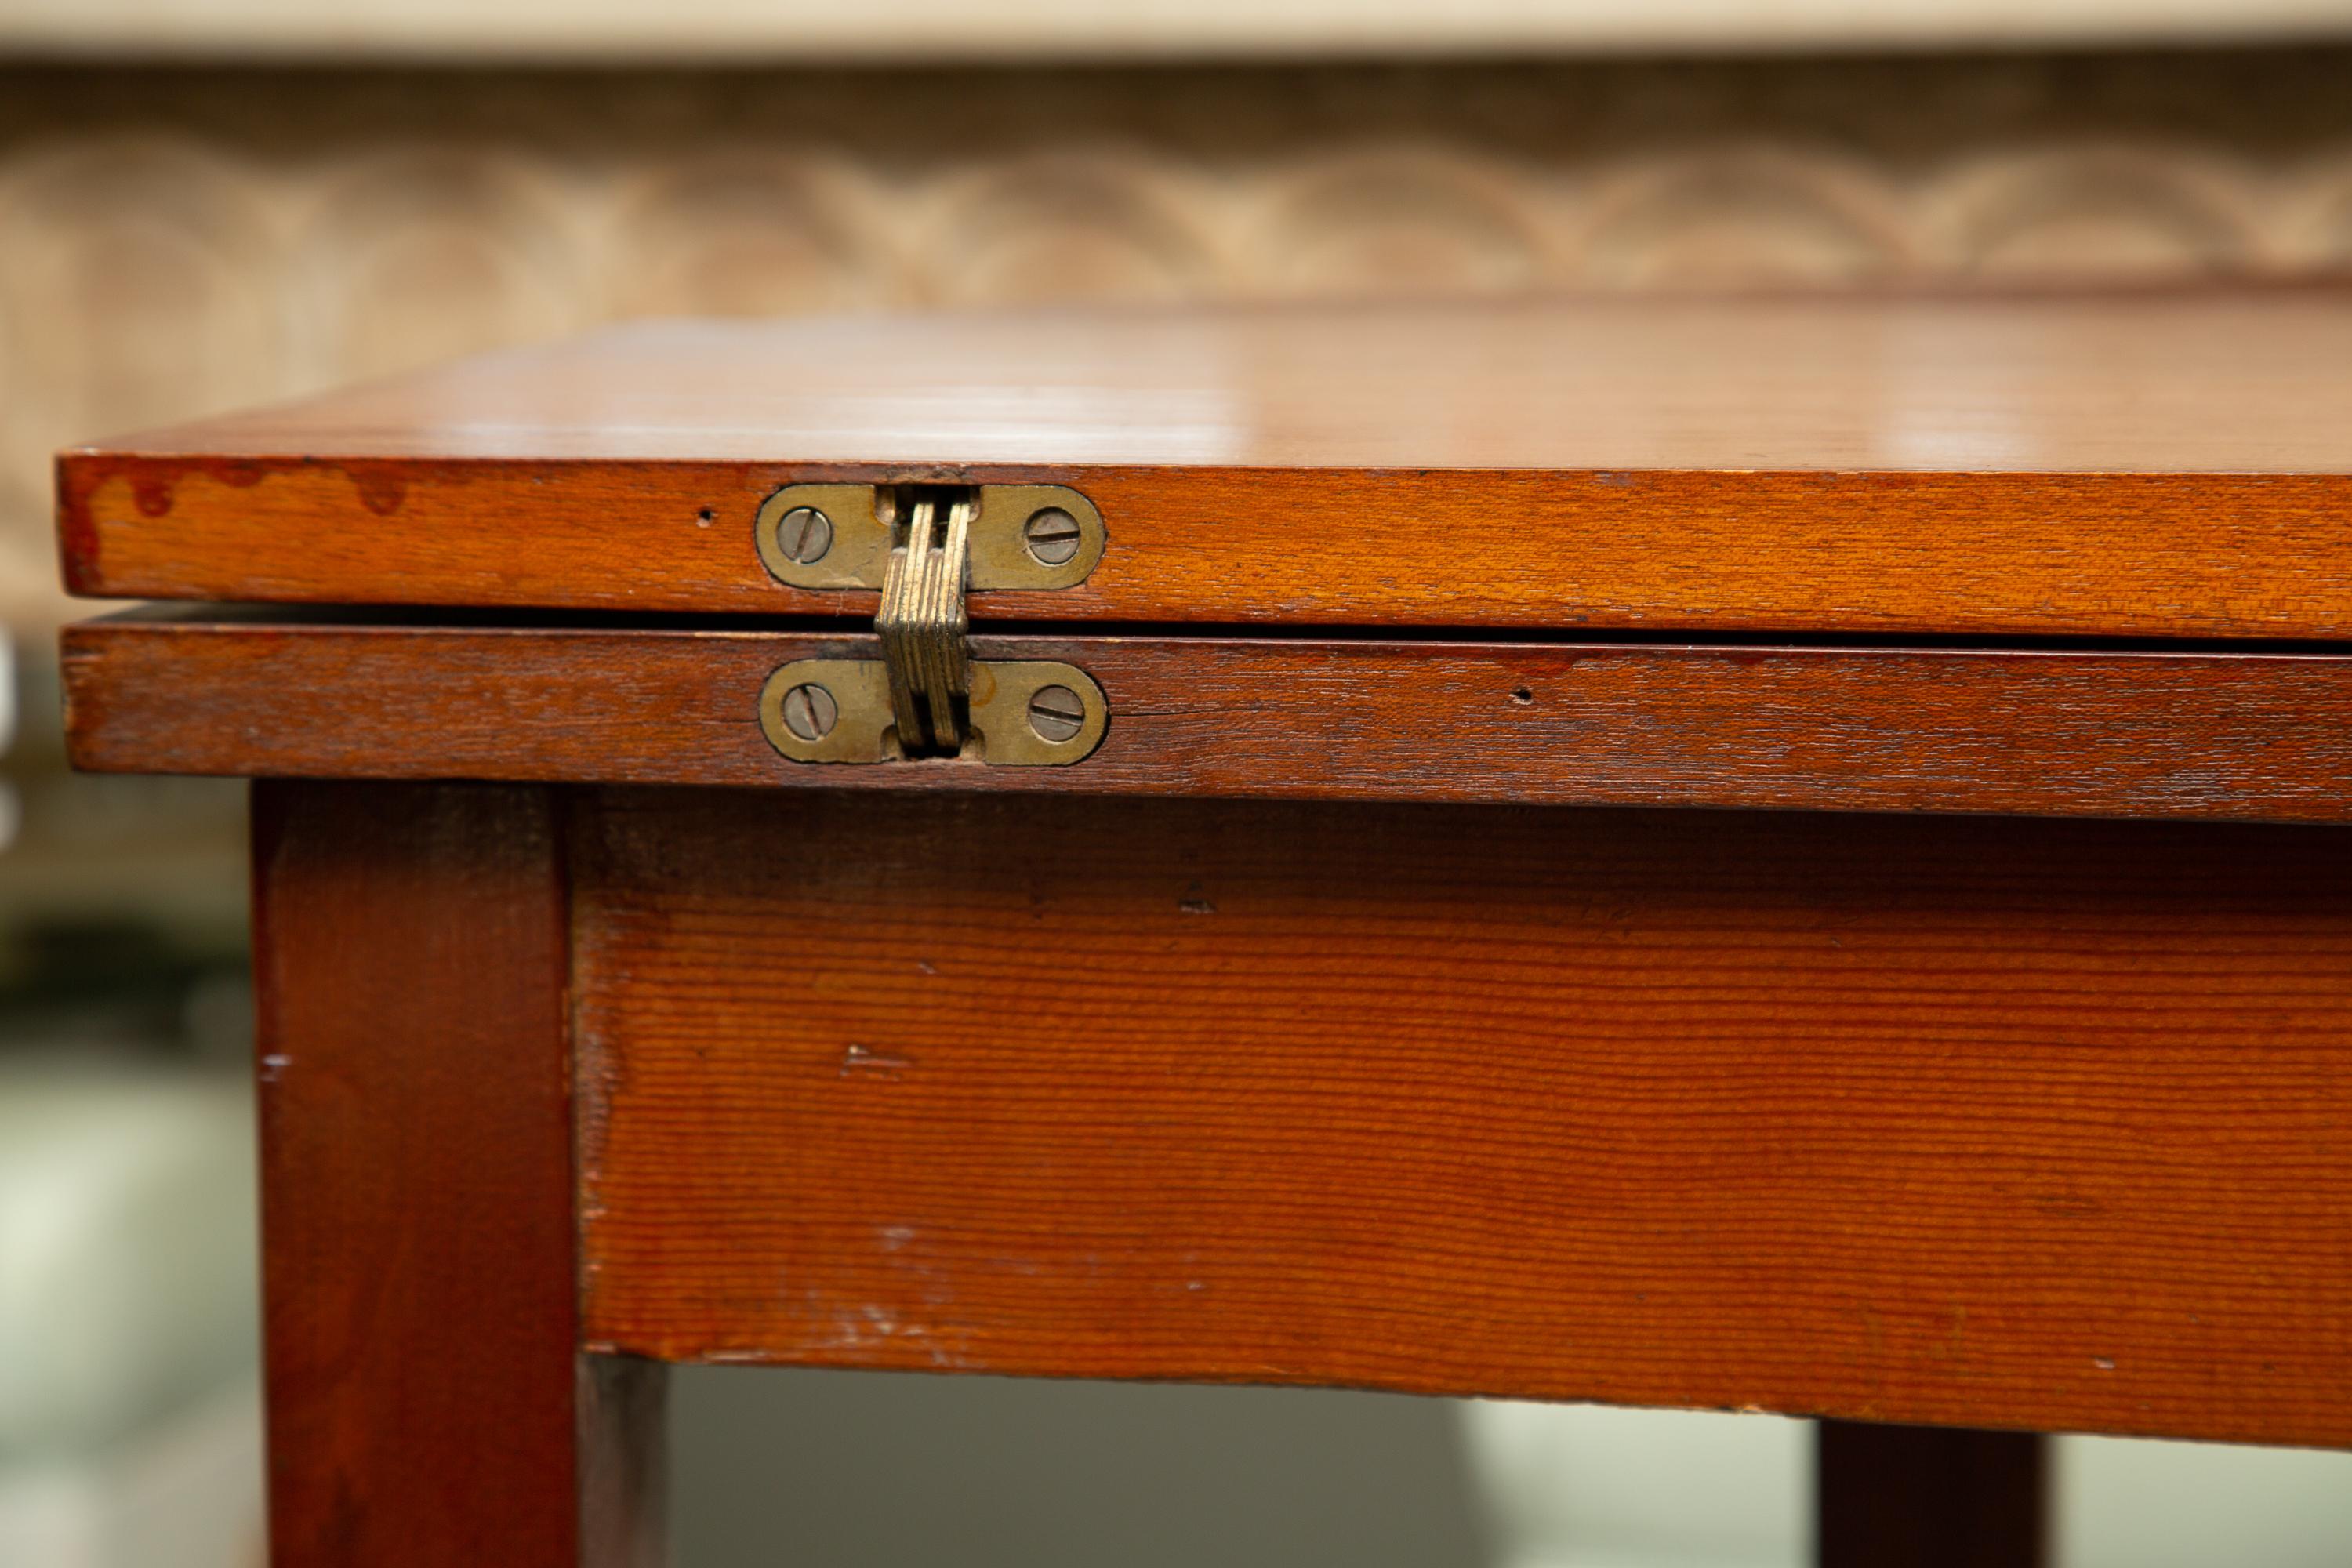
809, 711
1052, 536
1056, 714
804, 534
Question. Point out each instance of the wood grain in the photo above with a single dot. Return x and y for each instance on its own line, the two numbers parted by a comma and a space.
427, 1405
2145, 465
1929, 1497
2191, 735
1977, 1123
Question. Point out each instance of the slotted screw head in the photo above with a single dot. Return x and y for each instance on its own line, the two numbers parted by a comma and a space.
809, 711
804, 534
1056, 714
1052, 536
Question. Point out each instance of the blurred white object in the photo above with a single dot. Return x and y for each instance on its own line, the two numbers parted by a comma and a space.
1575, 1486
2140, 1503
1584, 1485
800, 30
129, 1424
180, 1493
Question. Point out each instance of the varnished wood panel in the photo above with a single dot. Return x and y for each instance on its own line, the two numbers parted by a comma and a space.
2213, 735
427, 1405
2164, 465
1990, 1123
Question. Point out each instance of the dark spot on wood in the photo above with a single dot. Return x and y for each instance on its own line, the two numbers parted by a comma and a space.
382, 489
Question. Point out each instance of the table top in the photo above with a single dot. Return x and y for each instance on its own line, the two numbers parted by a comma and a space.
2146, 383
2156, 463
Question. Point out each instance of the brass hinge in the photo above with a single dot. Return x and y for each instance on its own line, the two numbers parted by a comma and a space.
925, 546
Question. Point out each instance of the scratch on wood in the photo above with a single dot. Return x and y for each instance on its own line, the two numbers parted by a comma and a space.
866, 1060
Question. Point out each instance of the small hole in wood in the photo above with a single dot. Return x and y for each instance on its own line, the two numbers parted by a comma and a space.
705, 517
1523, 696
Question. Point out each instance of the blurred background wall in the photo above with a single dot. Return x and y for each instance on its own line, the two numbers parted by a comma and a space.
205, 202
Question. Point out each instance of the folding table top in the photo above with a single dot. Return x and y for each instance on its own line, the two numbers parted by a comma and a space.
2149, 465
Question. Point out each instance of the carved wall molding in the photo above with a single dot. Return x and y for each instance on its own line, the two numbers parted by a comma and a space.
174, 243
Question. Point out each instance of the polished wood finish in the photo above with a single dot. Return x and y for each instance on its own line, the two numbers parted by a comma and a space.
2143, 465
1928, 1496
427, 1405
2188, 734
1984, 1122
2203, 380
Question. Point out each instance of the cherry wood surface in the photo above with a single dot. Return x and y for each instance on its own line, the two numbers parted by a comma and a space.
2188, 734
2132, 465
1989, 1123
428, 1404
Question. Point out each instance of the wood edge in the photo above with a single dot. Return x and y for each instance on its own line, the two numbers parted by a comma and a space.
76, 472
659, 485
81, 648
321, 697
677, 1349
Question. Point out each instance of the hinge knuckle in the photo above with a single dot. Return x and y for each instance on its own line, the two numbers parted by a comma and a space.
921, 623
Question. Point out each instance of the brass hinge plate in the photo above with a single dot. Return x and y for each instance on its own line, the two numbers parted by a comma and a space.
926, 546
839, 536
1023, 714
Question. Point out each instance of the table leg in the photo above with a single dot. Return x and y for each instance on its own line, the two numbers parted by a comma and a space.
428, 1405
1929, 1497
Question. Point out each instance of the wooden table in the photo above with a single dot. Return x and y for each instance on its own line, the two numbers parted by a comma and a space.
1368, 979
